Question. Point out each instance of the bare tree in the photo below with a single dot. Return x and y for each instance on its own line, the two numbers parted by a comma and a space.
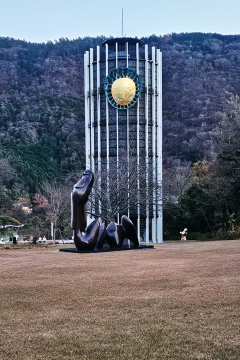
177, 179
227, 134
58, 202
123, 188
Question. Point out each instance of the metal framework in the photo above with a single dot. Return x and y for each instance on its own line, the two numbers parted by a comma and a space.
105, 119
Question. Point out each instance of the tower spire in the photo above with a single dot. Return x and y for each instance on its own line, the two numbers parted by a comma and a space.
122, 22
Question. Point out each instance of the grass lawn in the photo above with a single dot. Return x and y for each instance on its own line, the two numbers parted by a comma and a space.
177, 301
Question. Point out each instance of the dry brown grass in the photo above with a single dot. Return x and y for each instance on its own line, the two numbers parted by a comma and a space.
178, 301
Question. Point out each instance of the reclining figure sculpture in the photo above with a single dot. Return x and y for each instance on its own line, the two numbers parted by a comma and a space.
96, 233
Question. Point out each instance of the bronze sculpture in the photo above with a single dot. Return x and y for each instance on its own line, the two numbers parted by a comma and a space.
96, 233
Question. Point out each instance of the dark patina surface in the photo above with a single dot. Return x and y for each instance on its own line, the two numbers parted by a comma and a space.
96, 234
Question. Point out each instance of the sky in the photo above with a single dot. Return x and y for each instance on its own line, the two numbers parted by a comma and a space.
49, 20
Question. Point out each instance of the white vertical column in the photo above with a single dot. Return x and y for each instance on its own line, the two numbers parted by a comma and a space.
107, 112
92, 110
129, 243
98, 123
116, 55
107, 126
153, 145
117, 109
98, 108
118, 220
107, 123
87, 117
128, 142
138, 183
146, 140
92, 123
159, 148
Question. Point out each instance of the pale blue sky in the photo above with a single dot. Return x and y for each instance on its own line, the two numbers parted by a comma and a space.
43, 20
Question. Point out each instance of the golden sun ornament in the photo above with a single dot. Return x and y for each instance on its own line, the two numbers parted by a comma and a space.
122, 88
123, 91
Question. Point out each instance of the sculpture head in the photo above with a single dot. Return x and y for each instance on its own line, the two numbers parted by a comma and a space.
84, 186
79, 197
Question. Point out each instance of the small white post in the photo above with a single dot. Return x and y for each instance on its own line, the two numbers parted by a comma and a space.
52, 233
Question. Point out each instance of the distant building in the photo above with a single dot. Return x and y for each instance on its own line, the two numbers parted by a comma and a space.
25, 207
123, 112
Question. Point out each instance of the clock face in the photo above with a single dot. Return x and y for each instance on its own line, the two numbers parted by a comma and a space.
122, 88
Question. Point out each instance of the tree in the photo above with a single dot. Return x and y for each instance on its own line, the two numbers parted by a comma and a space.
123, 188
227, 163
5, 200
7, 172
58, 203
36, 226
176, 180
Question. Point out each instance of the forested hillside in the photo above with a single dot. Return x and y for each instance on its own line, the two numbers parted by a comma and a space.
42, 115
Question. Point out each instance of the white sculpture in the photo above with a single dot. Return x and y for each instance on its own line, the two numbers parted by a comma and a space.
184, 233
